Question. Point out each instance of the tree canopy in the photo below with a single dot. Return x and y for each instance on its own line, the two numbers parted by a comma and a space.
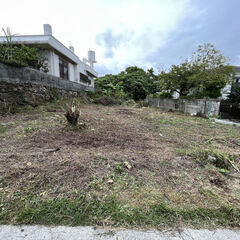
203, 75
133, 83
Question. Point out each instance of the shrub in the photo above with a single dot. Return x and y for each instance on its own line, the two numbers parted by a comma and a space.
21, 55
214, 157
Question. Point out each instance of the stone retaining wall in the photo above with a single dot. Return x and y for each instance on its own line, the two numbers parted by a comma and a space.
29, 86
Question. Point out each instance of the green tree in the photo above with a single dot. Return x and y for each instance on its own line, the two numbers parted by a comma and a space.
212, 71
133, 83
177, 79
203, 75
110, 85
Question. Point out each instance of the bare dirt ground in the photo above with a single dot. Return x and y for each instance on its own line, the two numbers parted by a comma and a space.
140, 154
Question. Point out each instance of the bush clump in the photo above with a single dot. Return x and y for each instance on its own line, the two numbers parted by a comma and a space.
21, 55
220, 160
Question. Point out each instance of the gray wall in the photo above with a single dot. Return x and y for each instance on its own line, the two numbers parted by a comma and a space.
29, 86
208, 107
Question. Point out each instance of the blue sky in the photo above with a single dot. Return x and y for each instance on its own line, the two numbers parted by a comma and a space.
195, 22
146, 33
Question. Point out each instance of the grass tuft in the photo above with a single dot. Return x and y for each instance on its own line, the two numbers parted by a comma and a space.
219, 159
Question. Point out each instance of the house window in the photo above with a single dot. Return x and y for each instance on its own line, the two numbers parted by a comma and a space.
63, 69
84, 79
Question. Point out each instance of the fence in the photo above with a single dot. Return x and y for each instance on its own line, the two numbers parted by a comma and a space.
208, 107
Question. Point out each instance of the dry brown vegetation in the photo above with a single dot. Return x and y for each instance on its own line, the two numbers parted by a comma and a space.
142, 155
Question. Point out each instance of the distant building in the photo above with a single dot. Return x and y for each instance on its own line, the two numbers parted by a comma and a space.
236, 82
62, 61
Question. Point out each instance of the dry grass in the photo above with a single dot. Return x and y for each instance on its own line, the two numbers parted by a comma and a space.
156, 144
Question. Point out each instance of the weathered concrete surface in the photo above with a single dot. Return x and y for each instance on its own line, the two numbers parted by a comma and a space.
89, 233
28, 86
25, 75
208, 107
226, 122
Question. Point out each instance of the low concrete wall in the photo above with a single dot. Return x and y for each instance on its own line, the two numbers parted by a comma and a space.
29, 86
208, 107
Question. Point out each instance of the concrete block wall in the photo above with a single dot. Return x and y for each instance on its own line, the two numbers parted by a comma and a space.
29, 86
208, 107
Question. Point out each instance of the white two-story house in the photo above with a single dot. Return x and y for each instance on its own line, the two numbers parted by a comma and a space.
62, 61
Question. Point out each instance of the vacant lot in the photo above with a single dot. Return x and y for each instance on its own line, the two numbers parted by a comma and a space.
122, 166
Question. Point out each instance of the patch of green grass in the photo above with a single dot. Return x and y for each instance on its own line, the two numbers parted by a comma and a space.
95, 211
3, 128
119, 168
31, 127
25, 109
95, 183
208, 193
2, 179
164, 162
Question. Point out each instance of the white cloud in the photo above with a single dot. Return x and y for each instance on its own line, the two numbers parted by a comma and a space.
72, 20
150, 23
